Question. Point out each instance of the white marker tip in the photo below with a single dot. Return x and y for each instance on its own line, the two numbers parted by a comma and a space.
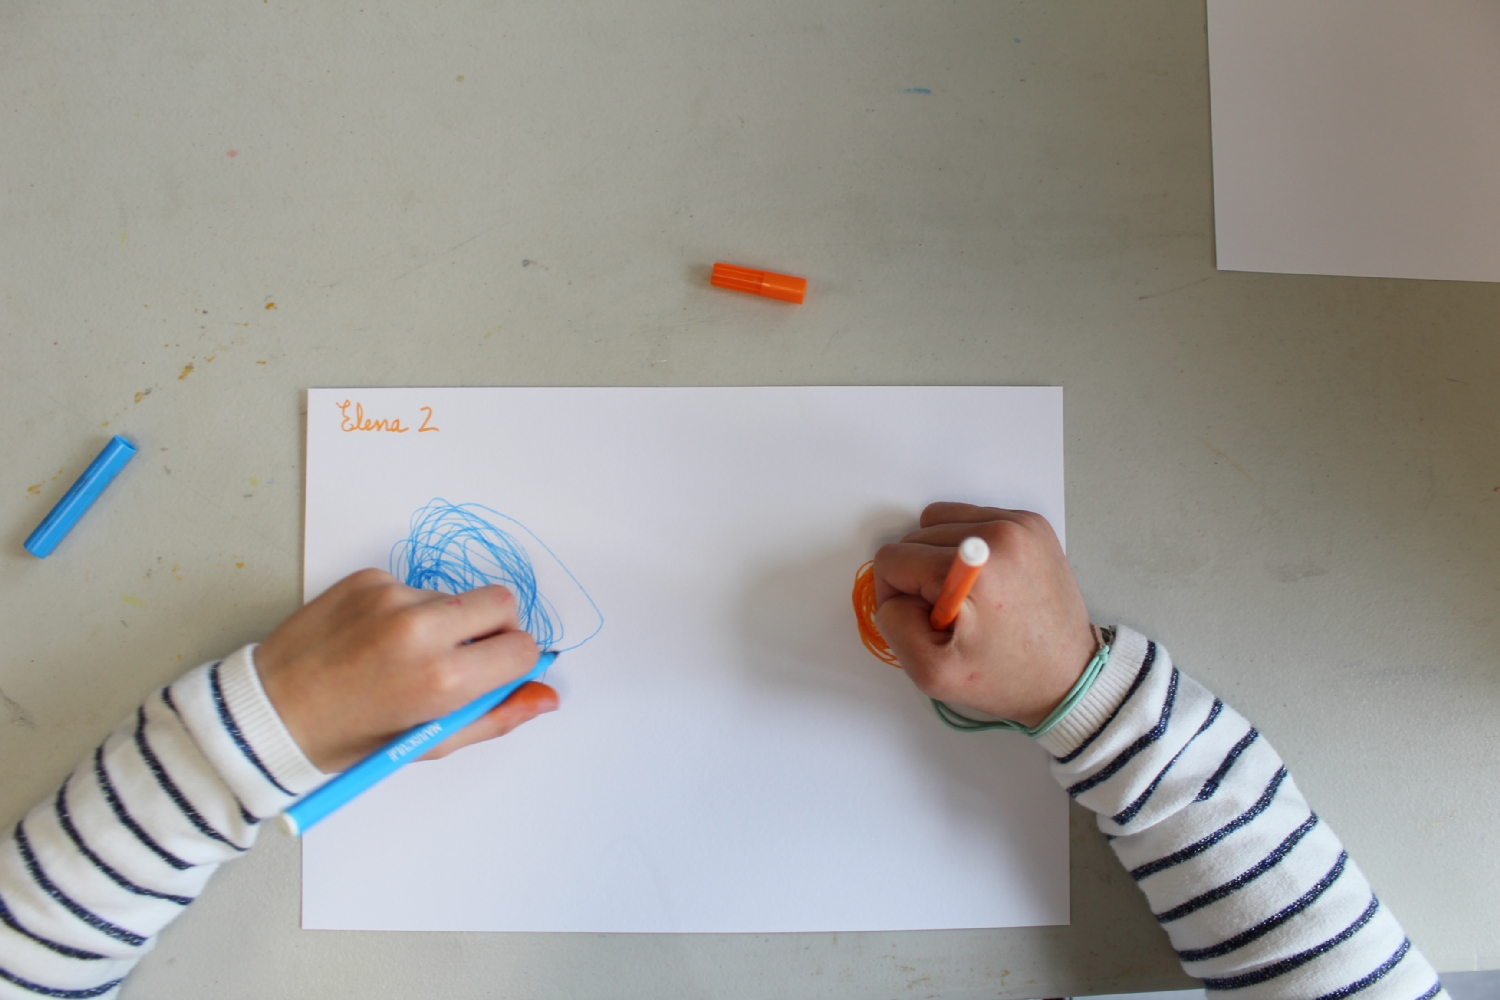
974, 551
288, 825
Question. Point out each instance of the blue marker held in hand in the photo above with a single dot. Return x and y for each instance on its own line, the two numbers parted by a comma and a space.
80, 496
409, 746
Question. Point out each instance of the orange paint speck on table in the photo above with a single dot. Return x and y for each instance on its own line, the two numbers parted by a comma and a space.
767, 284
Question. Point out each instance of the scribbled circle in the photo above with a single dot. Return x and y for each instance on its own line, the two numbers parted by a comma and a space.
864, 615
453, 548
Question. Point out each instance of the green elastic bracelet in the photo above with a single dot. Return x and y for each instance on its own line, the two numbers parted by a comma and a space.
954, 719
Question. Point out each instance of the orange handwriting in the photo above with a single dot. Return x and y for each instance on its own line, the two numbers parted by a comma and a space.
359, 422
349, 422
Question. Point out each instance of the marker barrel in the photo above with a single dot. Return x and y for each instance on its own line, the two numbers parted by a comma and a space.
343, 788
80, 496
968, 562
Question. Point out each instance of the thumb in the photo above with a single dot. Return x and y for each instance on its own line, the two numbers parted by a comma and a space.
530, 700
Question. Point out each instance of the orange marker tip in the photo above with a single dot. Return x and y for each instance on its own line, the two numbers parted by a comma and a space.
973, 551
767, 284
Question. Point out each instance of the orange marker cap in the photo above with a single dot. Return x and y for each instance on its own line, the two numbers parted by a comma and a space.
766, 283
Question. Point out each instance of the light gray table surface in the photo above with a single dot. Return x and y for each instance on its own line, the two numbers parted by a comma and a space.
1292, 481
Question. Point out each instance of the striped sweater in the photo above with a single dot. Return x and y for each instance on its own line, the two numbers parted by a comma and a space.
91, 875
1257, 894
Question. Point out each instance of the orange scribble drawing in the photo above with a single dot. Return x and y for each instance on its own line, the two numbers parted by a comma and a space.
864, 615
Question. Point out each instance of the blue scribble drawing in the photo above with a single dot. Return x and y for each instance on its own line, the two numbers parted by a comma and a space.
457, 547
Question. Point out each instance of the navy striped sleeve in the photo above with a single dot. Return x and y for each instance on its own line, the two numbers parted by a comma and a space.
226, 717
1133, 810
65, 820
1140, 678
93, 873
1254, 890
52, 991
111, 795
153, 763
98, 923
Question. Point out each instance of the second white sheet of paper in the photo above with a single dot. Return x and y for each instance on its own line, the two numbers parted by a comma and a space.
1357, 137
728, 757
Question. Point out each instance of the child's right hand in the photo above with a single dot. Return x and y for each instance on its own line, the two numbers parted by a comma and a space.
1023, 637
370, 658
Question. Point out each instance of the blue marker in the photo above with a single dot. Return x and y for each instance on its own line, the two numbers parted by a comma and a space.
80, 496
323, 801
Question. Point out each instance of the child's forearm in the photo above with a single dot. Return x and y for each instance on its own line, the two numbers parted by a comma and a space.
90, 876
1256, 893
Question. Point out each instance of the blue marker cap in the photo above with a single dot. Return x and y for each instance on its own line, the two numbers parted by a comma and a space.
80, 497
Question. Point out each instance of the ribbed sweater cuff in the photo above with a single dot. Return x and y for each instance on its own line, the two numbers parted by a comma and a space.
1125, 657
262, 727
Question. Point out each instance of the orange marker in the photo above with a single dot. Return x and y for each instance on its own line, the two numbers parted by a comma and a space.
971, 557
765, 283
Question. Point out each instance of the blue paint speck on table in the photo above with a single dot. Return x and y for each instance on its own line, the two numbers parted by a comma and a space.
918, 90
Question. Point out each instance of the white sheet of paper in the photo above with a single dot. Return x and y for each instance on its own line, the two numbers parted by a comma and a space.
1357, 137
728, 757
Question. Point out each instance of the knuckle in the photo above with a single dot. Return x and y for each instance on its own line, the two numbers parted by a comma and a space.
370, 577
407, 628
1038, 526
387, 597
445, 679
1005, 535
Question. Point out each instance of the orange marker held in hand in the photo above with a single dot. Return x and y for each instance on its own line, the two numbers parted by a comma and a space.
971, 557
